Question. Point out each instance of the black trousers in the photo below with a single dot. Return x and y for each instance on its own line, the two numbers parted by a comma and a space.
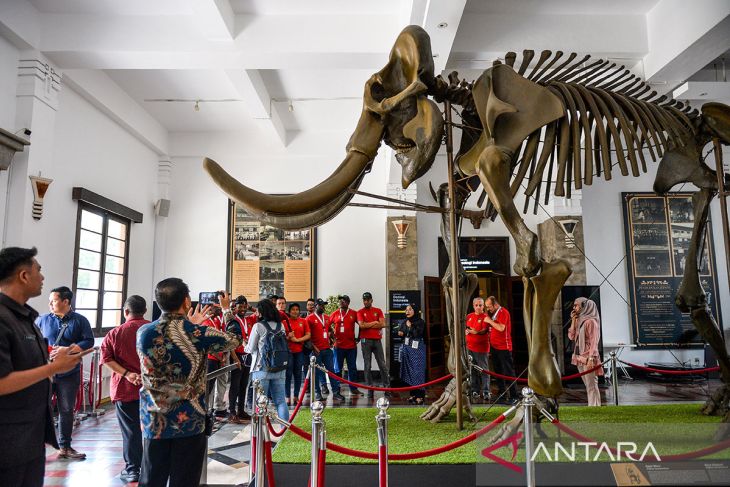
180, 460
237, 392
29, 474
128, 417
502, 362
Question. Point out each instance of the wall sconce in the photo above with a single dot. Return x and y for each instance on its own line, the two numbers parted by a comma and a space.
40, 186
401, 227
569, 227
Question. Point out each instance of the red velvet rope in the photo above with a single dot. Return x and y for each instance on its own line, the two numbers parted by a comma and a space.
320, 467
253, 453
396, 389
269, 464
404, 456
565, 377
671, 372
680, 456
293, 414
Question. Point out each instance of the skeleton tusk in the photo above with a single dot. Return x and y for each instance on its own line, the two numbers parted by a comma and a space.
361, 150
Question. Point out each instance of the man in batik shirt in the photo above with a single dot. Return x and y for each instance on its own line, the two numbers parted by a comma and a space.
172, 353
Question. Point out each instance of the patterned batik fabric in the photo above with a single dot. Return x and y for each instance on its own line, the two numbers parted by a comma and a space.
172, 354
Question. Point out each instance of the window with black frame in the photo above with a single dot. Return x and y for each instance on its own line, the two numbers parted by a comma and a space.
100, 267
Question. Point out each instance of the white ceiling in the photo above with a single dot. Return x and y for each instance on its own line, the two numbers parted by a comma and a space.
300, 65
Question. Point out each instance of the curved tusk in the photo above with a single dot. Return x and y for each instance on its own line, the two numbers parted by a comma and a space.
312, 219
361, 150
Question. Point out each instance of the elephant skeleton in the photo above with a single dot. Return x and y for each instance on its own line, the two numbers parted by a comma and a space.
554, 128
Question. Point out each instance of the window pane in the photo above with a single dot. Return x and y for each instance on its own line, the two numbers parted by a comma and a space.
89, 259
87, 279
111, 318
113, 282
112, 300
86, 299
115, 247
114, 264
91, 221
90, 315
90, 240
117, 230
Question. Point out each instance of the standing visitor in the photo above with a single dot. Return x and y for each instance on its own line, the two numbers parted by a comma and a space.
297, 336
320, 327
500, 345
239, 377
477, 345
344, 321
585, 331
119, 354
372, 321
413, 353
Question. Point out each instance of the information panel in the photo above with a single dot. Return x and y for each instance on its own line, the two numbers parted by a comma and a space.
265, 260
657, 233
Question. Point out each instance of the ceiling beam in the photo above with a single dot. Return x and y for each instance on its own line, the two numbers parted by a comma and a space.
683, 39
215, 19
252, 89
441, 20
20, 23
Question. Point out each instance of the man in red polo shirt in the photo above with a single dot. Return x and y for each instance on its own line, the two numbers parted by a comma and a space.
344, 320
119, 353
217, 387
372, 320
320, 328
477, 345
501, 344
239, 377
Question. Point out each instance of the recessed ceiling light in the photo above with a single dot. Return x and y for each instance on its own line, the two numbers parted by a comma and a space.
442, 25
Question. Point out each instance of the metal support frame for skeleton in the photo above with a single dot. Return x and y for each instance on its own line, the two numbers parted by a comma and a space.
544, 131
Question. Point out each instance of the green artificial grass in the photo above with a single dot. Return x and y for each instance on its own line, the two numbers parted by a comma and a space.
672, 428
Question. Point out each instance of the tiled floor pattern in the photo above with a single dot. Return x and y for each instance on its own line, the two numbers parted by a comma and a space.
228, 449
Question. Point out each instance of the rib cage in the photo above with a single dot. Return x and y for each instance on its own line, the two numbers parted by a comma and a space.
611, 118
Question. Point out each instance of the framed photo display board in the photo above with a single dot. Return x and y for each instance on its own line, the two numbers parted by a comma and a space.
264, 260
657, 232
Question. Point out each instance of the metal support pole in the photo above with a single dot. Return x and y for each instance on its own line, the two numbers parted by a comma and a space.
528, 401
312, 378
722, 195
94, 381
614, 378
317, 428
253, 444
262, 403
382, 419
458, 339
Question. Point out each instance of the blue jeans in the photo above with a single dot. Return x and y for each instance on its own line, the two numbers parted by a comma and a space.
66, 389
326, 358
273, 385
294, 369
348, 355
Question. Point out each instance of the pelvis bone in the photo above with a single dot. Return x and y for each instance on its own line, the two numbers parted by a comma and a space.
395, 110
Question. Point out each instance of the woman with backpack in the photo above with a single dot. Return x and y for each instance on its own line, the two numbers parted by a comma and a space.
269, 351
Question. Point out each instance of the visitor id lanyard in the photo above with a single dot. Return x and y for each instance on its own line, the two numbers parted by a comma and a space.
342, 320
324, 327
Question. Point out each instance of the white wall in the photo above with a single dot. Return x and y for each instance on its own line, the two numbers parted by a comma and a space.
8, 81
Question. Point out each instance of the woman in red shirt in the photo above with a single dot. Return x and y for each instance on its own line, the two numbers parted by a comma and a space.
297, 334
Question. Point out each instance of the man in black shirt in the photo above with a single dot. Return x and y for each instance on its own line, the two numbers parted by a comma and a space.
25, 408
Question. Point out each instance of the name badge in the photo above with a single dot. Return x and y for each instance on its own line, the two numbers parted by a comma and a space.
414, 344
342, 329
324, 334
408, 341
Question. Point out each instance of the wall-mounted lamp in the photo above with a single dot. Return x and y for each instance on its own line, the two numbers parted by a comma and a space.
40, 186
401, 227
569, 227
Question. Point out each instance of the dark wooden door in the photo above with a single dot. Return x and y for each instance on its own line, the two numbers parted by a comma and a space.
436, 330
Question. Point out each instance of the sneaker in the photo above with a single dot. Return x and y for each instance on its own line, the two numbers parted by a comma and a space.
356, 392
318, 397
487, 397
388, 394
129, 477
325, 391
338, 396
288, 401
71, 454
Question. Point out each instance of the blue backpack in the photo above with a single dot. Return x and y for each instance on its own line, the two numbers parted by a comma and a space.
275, 352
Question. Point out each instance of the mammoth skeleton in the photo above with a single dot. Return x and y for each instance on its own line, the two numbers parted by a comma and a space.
557, 127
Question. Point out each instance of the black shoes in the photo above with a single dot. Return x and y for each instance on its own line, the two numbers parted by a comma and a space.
338, 396
325, 391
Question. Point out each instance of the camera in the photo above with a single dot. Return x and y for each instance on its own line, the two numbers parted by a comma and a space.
206, 298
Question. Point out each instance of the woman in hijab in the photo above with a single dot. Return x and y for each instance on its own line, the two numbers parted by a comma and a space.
585, 331
413, 353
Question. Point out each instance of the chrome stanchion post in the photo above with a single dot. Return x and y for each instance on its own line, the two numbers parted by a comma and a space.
312, 378
262, 404
317, 429
382, 419
614, 378
528, 402
253, 444
94, 383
